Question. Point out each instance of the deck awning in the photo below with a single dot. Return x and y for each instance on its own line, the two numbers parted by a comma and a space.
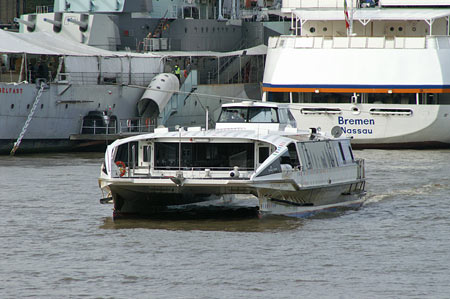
374, 14
44, 43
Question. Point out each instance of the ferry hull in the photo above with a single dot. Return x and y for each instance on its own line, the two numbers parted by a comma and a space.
148, 199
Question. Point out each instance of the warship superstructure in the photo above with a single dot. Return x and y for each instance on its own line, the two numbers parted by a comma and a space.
109, 68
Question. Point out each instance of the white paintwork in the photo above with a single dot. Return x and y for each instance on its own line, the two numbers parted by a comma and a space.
390, 51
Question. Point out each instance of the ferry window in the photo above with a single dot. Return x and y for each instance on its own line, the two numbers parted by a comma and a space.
233, 114
292, 150
263, 115
204, 155
304, 156
341, 151
317, 155
274, 167
286, 117
263, 154
124, 153
351, 153
312, 29
146, 150
12, 106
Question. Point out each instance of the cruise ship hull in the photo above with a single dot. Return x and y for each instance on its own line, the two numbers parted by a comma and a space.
380, 126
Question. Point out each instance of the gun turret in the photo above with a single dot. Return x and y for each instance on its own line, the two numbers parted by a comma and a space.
83, 25
31, 26
56, 23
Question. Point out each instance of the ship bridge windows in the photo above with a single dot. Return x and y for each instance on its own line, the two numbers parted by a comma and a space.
215, 156
249, 114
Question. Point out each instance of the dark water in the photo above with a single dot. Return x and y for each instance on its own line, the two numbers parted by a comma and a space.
57, 241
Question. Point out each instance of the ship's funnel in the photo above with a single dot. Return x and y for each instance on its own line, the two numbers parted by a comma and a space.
158, 94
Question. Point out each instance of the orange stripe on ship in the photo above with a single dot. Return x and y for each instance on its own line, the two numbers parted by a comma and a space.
362, 90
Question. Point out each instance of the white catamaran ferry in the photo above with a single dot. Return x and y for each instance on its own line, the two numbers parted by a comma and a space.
254, 150
382, 74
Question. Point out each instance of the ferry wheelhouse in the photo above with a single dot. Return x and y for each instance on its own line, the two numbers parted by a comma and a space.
384, 78
255, 150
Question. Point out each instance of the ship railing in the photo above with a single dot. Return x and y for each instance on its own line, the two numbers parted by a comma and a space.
338, 4
123, 126
358, 42
133, 170
97, 127
93, 78
136, 126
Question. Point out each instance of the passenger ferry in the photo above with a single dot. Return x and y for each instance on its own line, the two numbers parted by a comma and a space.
255, 150
382, 74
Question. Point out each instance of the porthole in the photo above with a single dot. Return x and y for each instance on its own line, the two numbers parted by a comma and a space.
67, 106
12, 106
42, 106
391, 29
325, 29
98, 105
114, 105
400, 29
312, 29
28, 106
414, 29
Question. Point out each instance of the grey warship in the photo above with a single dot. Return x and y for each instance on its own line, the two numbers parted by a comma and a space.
115, 68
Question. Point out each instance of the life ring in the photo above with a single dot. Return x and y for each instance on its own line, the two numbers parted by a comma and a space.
122, 168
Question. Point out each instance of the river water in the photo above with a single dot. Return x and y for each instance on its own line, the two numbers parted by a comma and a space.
57, 241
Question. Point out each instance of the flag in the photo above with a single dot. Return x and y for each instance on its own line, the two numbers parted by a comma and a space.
347, 22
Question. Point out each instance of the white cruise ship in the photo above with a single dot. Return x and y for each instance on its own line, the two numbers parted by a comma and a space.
382, 74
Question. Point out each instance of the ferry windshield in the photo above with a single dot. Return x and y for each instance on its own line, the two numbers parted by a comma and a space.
249, 114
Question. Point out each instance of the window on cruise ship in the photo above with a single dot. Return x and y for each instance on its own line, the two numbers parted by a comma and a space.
278, 97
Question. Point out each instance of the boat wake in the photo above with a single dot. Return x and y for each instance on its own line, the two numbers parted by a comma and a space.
417, 190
